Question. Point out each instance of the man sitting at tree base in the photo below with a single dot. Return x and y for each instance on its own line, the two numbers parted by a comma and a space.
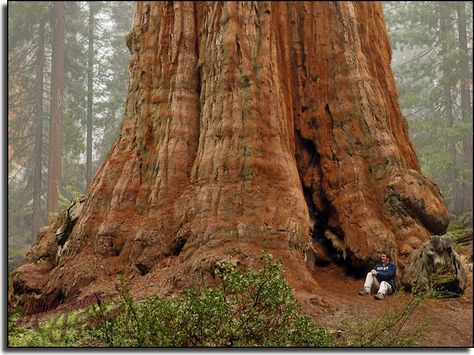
381, 278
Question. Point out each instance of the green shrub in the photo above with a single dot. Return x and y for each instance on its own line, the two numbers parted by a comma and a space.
255, 308
64, 330
252, 309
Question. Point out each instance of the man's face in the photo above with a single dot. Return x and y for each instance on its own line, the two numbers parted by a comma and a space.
383, 258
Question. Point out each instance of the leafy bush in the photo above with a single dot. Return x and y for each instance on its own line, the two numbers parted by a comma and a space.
64, 330
250, 309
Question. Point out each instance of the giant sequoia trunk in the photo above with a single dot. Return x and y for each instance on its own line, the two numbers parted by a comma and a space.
248, 126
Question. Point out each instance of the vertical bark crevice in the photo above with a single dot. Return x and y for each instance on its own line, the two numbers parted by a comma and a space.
311, 178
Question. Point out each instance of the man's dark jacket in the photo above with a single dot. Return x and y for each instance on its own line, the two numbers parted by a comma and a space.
387, 273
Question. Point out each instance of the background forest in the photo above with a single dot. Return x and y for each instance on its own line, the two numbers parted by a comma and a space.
68, 79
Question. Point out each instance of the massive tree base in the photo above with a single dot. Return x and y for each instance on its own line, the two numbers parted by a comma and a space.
248, 126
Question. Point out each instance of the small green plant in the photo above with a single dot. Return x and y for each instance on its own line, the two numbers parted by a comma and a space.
256, 308
385, 330
64, 330
459, 227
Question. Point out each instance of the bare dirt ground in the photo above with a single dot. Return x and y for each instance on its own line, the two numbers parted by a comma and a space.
447, 322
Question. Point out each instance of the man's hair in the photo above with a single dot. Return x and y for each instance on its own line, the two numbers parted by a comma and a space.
386, 254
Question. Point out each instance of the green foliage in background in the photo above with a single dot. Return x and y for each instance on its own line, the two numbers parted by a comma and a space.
460, 226
431, 70
460, 230
112, 23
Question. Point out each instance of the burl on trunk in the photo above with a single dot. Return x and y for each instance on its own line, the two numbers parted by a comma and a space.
248, 126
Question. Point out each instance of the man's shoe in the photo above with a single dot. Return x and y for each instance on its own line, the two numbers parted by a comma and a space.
364, 292
379, 296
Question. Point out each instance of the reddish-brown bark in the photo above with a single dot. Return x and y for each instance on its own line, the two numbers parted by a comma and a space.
56, 106
248, 126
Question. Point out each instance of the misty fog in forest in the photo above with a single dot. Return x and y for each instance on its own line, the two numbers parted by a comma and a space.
68, 82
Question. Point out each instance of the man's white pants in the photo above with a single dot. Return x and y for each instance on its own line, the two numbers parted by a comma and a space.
371, 283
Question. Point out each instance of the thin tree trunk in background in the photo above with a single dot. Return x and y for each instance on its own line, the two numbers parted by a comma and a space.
57, 106
466, 109
38, 134
90, 72
448, 107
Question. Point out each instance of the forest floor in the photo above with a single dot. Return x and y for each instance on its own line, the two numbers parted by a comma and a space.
446, 322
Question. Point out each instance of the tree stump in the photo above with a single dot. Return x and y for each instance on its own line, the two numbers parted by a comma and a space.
436, 266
